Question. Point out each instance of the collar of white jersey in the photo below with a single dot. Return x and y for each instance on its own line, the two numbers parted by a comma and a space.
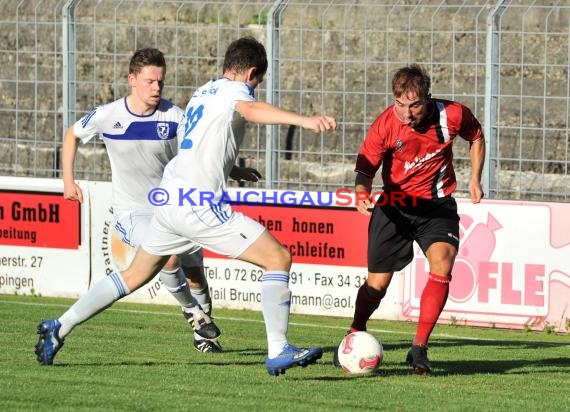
251, 91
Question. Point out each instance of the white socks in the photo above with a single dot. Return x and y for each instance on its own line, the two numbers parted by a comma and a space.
175, 283
276, 305
102, 295
203, 298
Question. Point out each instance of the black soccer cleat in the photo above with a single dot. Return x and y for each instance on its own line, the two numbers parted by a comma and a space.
203, 325
207, 346
418, 360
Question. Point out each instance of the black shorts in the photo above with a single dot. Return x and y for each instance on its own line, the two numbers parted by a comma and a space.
394, 226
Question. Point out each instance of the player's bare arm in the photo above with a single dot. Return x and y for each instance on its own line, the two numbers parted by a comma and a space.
71, 190
362, 186
477, 155
265, 113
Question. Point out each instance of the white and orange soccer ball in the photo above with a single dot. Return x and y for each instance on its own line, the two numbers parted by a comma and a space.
360, 352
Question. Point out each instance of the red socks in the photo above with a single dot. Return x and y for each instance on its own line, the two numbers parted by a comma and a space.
367, 301
432, 302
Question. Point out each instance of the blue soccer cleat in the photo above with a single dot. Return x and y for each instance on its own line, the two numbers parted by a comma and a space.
49, 342
291, 357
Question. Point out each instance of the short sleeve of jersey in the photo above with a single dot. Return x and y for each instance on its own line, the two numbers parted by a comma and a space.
372, 150
87, 127
470, 128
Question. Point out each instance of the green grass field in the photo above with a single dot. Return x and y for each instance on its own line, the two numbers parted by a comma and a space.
140, 357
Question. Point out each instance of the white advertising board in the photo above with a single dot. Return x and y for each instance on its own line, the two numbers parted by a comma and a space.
110, 254
512, 268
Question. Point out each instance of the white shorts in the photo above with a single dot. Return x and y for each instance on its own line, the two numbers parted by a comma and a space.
177, 229
131, 228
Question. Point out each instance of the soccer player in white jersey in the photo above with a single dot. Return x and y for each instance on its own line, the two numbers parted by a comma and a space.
211, 146
140, 134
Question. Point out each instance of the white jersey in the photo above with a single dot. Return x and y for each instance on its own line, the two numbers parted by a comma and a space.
212, 132
139, 148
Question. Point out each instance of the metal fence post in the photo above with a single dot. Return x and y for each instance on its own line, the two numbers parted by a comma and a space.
272, 81
69, 55
492, 73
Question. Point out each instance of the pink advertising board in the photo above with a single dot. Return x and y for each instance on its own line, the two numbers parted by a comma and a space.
512, 268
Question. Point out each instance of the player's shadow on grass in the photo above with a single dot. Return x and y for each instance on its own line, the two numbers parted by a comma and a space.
210, 360
446, 368
104, 364
394, 355
490, 366
387, 347
504, 344
482, 366
247, 351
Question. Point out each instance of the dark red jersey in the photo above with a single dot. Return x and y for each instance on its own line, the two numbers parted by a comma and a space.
417, 162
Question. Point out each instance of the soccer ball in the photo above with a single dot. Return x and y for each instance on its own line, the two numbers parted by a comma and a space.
360, 352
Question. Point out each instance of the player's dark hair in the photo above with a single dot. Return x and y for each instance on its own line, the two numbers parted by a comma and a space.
245, 53
146, 57
411, 79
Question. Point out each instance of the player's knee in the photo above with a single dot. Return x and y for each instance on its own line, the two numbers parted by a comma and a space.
378, 282
172, 264
170, 268
441, 265
280, 259
285, 257
441, 257
376, 293
196, 277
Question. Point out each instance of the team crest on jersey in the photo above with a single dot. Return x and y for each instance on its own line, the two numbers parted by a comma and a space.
399, 145
162, 130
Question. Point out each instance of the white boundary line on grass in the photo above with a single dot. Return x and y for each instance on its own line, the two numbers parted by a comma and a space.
308, 325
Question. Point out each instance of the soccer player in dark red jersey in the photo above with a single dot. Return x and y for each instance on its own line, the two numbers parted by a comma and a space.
412, 141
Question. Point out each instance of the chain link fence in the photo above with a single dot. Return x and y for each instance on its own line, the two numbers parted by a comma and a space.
506, 60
